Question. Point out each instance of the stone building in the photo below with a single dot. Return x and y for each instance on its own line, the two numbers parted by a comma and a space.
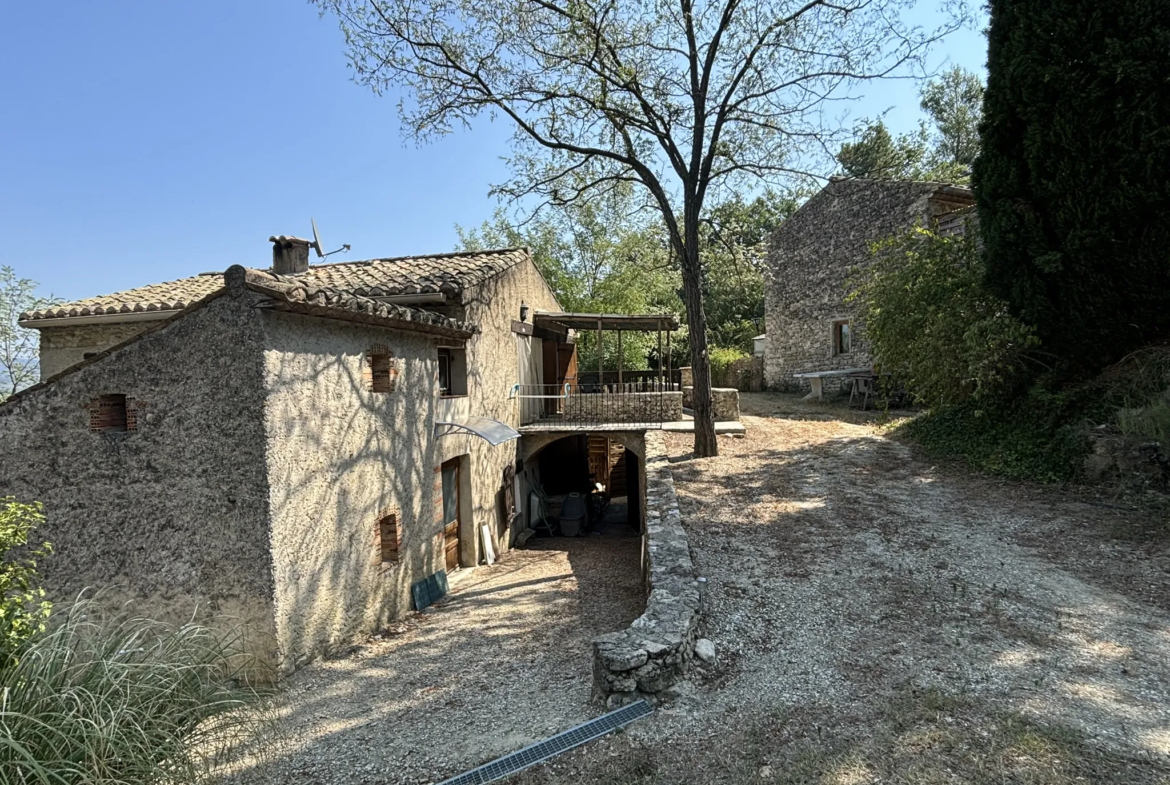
294, 448
810, 326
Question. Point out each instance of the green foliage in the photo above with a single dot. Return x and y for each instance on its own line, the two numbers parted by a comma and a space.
19, 356
734, 251
878, 156
1139, 386
933, 324
1036, 436
604, 257
23, 608
944, 152
99, 700
1071, 182
954, 102
722, 358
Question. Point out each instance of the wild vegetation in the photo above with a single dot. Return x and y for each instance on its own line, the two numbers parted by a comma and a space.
943, 150
1005, 340
1071, 182
94, 697
19, 357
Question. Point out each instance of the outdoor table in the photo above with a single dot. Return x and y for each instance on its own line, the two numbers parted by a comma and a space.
816, 378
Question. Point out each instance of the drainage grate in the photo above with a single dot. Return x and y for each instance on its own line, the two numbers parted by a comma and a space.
553, 746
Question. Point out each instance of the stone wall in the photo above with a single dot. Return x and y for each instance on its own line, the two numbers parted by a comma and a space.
62, 347
497, 359
725, 403
810, 259
625, 407
340, 457
655, 653
171, 516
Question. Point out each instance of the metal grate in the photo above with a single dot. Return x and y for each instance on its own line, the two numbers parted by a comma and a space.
552, 746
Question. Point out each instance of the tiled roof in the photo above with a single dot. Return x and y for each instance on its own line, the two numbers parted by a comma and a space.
446, 274
294, 293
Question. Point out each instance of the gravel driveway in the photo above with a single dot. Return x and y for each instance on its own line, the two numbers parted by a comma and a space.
879, 620
504, 662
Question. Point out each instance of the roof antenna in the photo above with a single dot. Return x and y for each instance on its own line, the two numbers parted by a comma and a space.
320, 249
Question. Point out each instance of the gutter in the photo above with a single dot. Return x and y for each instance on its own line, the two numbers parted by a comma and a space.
101, 318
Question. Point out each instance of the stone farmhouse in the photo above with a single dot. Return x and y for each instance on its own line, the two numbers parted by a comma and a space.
810, 326
294, 448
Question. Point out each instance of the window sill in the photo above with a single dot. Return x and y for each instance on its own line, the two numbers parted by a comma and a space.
447, 397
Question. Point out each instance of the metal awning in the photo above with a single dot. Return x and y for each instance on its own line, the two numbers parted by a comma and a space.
492, 431
557, 321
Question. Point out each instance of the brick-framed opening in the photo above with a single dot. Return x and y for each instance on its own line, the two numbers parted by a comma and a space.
381, 370
388, 534
113, 413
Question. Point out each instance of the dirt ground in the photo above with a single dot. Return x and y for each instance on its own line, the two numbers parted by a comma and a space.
881, 620
504, 661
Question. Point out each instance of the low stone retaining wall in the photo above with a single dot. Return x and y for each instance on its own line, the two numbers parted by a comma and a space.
619, 407
654, 653
724, 402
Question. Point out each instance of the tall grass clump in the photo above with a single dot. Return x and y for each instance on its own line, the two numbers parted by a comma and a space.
105, 699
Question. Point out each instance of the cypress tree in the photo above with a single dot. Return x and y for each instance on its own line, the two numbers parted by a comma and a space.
1073, 181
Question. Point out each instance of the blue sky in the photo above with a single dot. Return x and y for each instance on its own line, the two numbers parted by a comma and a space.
146, 141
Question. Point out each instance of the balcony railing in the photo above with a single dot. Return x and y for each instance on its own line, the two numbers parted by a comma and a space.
643, 402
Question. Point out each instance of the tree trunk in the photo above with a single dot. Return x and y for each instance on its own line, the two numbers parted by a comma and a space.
692, 275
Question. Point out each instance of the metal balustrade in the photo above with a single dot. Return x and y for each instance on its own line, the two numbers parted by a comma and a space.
644, 401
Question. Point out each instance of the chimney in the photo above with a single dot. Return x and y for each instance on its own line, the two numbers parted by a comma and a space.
290, 255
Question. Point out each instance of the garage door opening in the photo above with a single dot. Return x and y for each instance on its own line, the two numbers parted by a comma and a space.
585, 485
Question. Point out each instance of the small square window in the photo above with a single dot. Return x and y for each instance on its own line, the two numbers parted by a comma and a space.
389, 538
842, 337
109, 414
382, 370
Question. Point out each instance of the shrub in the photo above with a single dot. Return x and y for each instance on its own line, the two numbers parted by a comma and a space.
1071, 181
23, 608
102, 700
1040, 435
933, 324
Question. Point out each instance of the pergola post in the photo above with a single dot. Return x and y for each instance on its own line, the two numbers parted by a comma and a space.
660, 357
668, 382
600, 359
619, 332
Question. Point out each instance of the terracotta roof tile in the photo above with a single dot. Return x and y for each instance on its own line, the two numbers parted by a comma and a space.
446, 274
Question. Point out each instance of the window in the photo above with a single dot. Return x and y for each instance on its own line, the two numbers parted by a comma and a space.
112, 414
452, 370
382, 370
842, 337
389, 538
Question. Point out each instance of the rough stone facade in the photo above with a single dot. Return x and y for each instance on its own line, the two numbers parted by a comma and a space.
626, 407
252, 487
174, 515
725, 404
811, 256
68, 345
655, 653
497, 359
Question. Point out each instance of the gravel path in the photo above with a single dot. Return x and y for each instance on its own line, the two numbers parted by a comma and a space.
504, 662
843, 571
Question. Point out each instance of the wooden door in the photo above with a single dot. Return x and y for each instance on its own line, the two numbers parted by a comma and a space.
451, 527
567, 364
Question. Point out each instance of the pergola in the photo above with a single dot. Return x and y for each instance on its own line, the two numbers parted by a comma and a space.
614, 322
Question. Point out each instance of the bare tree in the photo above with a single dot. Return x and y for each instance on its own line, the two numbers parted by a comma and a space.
679, 97
19, 353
